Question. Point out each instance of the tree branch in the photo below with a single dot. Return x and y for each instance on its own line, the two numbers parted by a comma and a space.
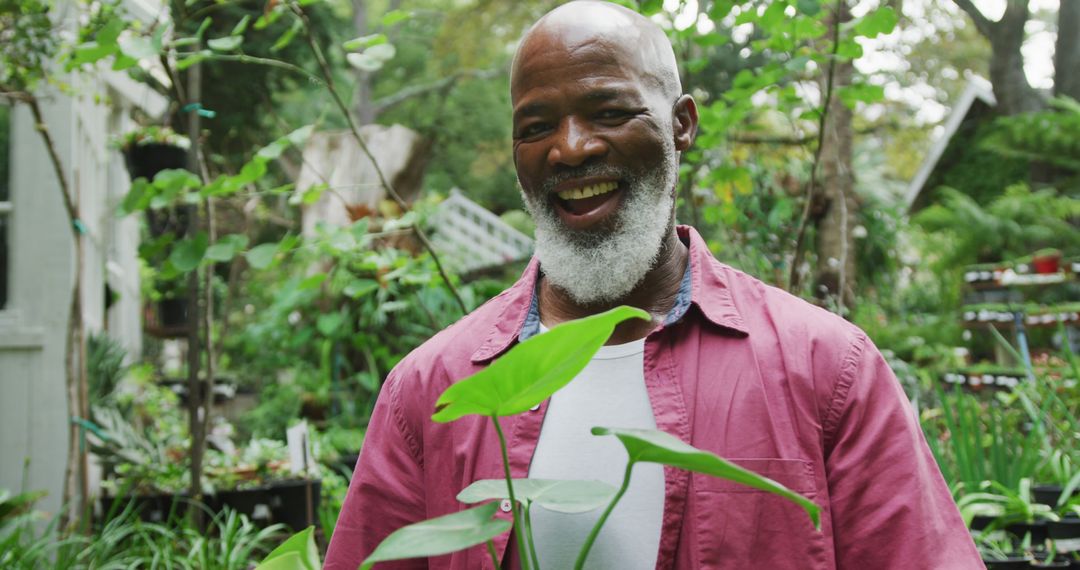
982, 23
328, 78
384, 104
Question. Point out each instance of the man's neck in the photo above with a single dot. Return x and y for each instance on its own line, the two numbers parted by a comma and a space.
656, 294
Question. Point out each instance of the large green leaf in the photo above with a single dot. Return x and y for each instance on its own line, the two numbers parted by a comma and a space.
226, 247
297, 553
533, 370
652, 446
569, 497
261, 256
441, 535
189, 253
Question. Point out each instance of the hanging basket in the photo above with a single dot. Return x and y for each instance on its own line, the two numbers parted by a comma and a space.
147, 159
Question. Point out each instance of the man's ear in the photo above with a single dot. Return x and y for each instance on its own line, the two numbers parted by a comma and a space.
684, 122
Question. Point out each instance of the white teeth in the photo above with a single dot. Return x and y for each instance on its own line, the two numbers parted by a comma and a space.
588, 191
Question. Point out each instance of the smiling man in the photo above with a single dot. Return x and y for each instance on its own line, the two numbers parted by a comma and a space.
726, 364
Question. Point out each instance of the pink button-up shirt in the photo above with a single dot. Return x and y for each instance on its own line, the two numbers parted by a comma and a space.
741, 369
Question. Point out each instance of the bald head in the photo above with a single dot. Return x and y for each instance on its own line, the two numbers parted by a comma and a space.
631, 38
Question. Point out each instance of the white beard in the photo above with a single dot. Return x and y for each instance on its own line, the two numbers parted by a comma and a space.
604, 266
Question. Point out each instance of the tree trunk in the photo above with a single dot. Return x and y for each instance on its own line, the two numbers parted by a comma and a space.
1067, 51
1011, 88
834, 276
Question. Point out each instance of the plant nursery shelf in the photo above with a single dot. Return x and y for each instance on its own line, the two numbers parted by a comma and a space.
974, 316
1002, 378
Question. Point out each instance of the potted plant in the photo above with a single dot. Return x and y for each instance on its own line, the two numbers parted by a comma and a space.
260, 484
149, 150
1046, 261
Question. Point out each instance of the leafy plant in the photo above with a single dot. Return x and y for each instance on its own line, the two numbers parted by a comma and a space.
525, 376
152, 134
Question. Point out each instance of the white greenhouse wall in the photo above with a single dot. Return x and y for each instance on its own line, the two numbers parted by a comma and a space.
33, 407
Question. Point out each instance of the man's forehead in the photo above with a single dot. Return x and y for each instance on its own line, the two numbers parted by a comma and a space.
599, 32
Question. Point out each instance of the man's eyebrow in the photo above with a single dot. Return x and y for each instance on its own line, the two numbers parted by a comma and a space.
535, 108
598, 95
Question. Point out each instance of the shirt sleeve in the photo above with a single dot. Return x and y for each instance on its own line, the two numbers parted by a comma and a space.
889, 504
386, 491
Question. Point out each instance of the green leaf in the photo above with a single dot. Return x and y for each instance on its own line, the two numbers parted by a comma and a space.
312, 281
720, 9
329, 323
298, 552
188, 253
533, 370
110, 32
880, 21
441, 535
227, 43
808, 7
287, 36
860, 92
364, 42
395, 16
287, 561
570, 497
138, 47
138, 196
654, 446
226, 247
373, 58
89, 52
123, 62
773, 16
650, 7
241, 26
360, 287
268, 18
261, 256
186, 62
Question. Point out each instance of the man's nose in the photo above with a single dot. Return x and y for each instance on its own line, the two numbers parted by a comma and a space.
575, 143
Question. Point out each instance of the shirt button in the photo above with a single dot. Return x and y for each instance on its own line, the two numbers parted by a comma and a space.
534, 408
505, 506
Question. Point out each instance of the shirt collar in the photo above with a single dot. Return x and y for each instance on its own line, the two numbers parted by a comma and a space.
703, 285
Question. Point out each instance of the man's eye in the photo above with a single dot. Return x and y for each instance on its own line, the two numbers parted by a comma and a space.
532, 130
613, 114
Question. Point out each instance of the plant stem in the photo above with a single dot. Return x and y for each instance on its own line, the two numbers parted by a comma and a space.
494, 556
580, 563
523, 552
529, 536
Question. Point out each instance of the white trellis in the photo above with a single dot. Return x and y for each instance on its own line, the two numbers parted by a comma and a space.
471, 238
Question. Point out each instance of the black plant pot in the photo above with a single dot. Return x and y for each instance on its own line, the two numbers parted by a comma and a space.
149, 508
173, 313
1037, 529
146, 160
1066, 528
1008, 564
980, 522
279, 502
1046, 494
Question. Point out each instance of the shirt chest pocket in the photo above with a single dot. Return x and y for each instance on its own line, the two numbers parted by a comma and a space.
739, 527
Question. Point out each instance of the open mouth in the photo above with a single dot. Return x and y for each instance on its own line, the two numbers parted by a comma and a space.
584, 206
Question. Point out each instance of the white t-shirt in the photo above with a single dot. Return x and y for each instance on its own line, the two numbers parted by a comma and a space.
609, 392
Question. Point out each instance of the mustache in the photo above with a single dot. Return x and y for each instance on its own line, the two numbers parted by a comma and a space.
572, 173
